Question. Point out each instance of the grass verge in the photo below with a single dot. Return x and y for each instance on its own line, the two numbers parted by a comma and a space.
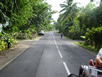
89, 47
82, 44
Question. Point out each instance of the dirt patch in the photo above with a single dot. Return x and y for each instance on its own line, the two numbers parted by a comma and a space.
12, 53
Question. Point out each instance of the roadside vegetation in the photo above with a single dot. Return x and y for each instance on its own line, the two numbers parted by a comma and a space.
89, 47
23, 19
81, 23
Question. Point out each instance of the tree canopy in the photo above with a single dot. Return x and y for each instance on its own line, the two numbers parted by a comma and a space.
86, 21
24, 14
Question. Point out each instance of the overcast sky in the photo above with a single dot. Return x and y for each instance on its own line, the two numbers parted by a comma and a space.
55, 5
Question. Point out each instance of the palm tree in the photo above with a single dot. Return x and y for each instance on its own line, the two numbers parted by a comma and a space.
69, 11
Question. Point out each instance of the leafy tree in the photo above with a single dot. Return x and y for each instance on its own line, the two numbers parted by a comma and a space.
24, 14
66, 19
86, 18
94, 37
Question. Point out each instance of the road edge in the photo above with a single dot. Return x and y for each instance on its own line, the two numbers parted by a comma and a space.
19, 54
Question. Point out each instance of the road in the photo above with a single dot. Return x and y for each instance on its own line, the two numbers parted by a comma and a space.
51, 56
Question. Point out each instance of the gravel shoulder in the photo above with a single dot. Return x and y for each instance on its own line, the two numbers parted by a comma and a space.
13, 52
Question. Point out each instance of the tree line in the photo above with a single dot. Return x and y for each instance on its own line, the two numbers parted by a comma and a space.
22, 19
76, 22
23, 14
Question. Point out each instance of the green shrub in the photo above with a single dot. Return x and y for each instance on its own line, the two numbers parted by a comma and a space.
2, 46
94, 37
9, 40
74, 32
26, 34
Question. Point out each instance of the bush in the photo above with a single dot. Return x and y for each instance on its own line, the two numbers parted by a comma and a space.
94, 37
26, 34
9, 40
74, 32
2, 46
6, 41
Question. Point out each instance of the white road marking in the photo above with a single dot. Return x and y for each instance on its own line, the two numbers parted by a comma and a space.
56, 46
66, 67
64, 63
60, 54
55, 43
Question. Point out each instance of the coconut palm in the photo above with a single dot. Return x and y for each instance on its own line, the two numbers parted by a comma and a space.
69, 11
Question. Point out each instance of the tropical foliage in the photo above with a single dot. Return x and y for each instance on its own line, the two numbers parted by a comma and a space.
94, 37
76, 22
23, 19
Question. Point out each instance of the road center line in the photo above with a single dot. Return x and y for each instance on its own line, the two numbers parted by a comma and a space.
55, 42
56, 46
66, 67
64, 63
60, 54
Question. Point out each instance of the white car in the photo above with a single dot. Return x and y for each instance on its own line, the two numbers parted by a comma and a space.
41, 32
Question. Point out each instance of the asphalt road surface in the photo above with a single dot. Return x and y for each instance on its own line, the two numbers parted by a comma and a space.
51, 56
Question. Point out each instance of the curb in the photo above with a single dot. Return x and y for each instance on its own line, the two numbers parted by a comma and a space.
18, 55
12, 59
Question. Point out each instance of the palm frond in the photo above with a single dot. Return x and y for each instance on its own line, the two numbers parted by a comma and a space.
63, 5
63, 10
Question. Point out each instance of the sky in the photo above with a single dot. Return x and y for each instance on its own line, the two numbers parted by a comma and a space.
56, 5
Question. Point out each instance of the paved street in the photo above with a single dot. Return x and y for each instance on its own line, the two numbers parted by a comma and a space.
51, 56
